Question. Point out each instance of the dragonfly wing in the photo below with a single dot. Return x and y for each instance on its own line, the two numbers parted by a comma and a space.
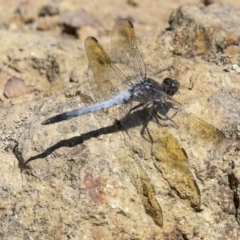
171, 158
195, 128
146, 192
109, 80
170, 112
172, 161
125, 53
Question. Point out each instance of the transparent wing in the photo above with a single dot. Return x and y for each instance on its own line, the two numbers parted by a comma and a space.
125, 53
195, 128
146, 192
172, 162
169, 112
167, 120
109, 80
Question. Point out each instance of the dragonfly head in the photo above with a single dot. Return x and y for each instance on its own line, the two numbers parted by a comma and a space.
170, 86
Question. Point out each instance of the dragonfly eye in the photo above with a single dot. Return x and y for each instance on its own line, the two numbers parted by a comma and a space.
170, 86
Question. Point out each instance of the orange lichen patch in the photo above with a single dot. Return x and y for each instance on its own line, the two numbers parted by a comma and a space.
95, 187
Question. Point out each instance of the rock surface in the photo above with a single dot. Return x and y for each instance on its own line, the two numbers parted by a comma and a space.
87, 178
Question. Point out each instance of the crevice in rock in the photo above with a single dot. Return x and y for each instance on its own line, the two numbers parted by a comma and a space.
21, 163
233, 183
184, 236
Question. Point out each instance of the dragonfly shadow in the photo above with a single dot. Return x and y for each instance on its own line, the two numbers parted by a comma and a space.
140, 178
131, 120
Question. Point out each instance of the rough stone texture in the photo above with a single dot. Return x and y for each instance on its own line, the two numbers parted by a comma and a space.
15, 87
40, 60
86, 178
200, 30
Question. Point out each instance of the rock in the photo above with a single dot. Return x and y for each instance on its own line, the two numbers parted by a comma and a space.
200, 30
233, 68
48, 10
72, 20
47, 23
28, 11
133, 3
207, 2
85, 32
41, 60
88, 177
15, 87
35, 16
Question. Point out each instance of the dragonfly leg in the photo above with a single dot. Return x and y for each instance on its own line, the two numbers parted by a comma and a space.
145, 126
135, 107
122, 128
161, 113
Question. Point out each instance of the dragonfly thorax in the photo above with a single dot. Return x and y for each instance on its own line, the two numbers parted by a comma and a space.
143, 91
150, 90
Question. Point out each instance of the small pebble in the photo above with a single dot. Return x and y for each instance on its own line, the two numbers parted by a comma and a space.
15, 87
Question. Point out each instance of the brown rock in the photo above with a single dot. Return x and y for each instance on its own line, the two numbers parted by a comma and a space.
15, 87
207, 2
28, 11
86, 179
72, 20
43, 61
48, 10
199, 30
47, 23
85, 32
133, 3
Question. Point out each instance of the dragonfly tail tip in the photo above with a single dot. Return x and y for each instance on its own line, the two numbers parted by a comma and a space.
46, 122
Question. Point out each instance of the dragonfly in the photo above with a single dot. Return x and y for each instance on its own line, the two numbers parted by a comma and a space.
121, 79
111, 81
